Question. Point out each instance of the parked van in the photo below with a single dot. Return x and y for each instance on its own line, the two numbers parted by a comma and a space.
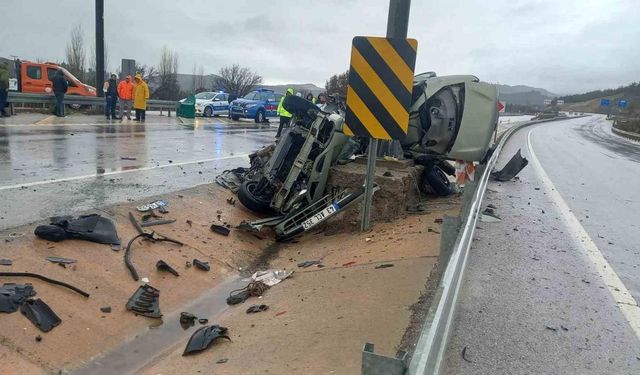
36, 78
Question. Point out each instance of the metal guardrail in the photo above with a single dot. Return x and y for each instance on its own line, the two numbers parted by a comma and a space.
430, 351
19, 97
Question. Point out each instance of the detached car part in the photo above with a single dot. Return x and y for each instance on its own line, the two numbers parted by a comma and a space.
44, 278
146, 302
161, 265
94, 228
203, 337
40, 314
511, 169
13, 295
153, 237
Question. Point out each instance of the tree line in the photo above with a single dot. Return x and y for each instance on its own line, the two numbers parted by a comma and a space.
632, 90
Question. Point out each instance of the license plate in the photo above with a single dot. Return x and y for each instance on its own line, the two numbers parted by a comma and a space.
320, 216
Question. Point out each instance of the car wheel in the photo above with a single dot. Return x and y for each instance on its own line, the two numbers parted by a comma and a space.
437, 179
259, 117
207, 112
235, 117
447, 168
247, 197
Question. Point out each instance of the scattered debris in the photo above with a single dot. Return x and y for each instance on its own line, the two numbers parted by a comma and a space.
153, 237
222, 360
161, 265
38, 338
145, 280
257, 308
511, 169
203, 320
157, 222
231, 201
270, 277
126, 158
489, 216
153, 205
94, 228
551, 328
106, 309
100, 170
386, 265
145, 301
431, 230
281, 313
40, 314
44, 278
187, 320
438, 220
253, 289
60, 260
203, 337
6, 262
201, 265
464, 355
387, 174
349, 264
190, 223
220, 229
13, 295
309, 263
564, 328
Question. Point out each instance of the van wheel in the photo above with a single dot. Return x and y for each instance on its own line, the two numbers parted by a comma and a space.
437, 179
251, 201
235, 117
260, 117
207, 112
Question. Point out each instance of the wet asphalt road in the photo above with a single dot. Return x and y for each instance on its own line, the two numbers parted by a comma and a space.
51, 166
533, 300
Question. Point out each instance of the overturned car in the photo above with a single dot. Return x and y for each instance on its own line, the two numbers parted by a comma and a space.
451, 118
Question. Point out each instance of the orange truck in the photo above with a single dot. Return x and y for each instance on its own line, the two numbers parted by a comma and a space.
36, 78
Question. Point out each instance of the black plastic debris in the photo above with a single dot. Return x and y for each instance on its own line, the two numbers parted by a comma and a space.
386, 265
40, 314
308, 263
106, 309
231, 201
94, 228
44, 278
257, 308
161, 265
203, 337
13, 295
201, 265
151, 223
222, 360
220, 229
187, 320
60, 260
513, 167
203, 320
153, 237
146, 302
6, 262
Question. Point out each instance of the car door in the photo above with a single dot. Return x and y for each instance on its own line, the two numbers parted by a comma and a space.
220, 104
32, 80
271, 106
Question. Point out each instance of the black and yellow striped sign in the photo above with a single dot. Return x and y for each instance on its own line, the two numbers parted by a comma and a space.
380, 85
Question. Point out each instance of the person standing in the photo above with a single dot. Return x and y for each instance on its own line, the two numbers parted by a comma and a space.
4, 86
60, 86
310, 98
125, 93
285, 116
322, 100
110, 89
140, 96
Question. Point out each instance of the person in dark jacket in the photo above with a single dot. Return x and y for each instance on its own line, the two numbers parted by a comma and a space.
4, 86
110, 89
60, 86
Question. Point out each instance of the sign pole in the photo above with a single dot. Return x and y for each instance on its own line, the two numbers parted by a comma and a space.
397, 26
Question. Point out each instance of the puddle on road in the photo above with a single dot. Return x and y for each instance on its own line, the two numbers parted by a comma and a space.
131, 356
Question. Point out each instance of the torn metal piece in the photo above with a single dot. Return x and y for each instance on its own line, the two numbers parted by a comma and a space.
13, 295
161, 265
271, 277
40, 314
309, 263
60, 260
205, 336
146, 302
220, 229
153, 205
511, 169
6, 262
187, 320
157, 222
257, 225
44, 278
201, 265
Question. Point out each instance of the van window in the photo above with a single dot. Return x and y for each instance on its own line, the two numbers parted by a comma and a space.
51, 72
34, 72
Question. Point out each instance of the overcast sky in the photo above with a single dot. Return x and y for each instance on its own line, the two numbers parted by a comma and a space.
564, 46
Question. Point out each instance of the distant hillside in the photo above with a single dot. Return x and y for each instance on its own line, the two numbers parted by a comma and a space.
506, 89
590, 101
523, 95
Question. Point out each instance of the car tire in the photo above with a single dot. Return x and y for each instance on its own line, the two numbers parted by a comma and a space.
207, 112
251, 201
447, 168
235, 117
437, 179
259, 116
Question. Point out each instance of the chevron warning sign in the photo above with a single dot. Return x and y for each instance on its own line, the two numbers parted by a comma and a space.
379, 88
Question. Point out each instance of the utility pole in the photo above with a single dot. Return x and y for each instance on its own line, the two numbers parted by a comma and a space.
397, 26
99, 47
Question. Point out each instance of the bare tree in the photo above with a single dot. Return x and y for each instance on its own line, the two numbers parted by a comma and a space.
337, 84
168, 75
237, 80
75, 53
200, 81
193, 78
148, 73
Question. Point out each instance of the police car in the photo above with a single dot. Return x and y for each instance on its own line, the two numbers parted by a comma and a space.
212, 103
256, 105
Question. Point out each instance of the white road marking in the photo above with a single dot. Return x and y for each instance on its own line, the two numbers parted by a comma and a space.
111, 173
625, 301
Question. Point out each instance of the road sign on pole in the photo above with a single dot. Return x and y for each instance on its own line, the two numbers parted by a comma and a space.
622, 103
392, 123
502, 106
605, 102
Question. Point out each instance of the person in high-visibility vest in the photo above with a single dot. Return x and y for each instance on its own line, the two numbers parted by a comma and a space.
285, 116
311, 98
